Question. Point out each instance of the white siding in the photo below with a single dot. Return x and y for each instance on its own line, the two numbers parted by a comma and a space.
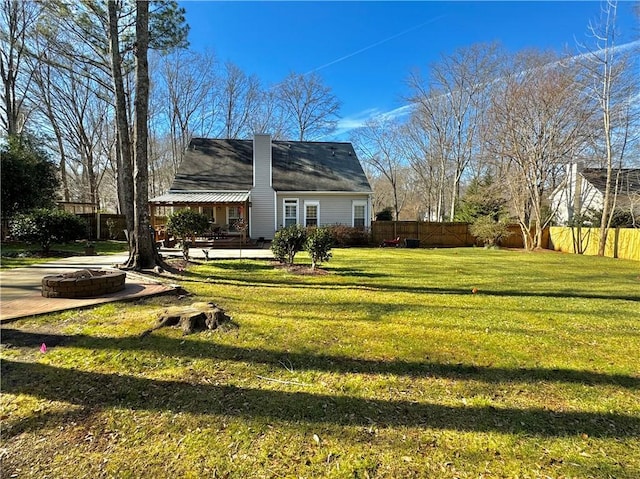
575, 196
261, 223
333, 208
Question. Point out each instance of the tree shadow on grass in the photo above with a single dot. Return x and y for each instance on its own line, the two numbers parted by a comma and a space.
301, 282
194, 348
357, 273
98, 390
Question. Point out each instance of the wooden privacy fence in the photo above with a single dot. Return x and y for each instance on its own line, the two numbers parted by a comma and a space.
111, 226
441, 235
429, 234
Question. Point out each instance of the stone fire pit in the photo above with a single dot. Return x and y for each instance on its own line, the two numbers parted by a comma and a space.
84, 283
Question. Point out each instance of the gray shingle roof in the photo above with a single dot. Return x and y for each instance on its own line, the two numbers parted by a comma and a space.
216, 165
629, 181
227, 165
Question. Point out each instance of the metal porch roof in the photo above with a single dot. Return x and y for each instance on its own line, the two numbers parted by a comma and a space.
201, 197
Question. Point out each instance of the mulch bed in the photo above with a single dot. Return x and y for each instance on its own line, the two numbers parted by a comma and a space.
180, 265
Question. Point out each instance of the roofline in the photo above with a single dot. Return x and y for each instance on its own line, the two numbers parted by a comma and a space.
207, 191
296, 192
311, 192
315, 142
249, 140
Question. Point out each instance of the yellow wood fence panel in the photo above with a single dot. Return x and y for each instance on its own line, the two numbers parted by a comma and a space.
621, 242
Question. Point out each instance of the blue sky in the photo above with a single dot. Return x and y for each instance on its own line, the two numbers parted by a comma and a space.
364, 51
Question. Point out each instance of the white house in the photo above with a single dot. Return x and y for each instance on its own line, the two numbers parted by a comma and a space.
271, 184
582, 191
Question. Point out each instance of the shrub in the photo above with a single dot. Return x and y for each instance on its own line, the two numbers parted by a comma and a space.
186, 225
619, 219
318, 245
385, 215
287, 242
47, 226
489, 231
349, 236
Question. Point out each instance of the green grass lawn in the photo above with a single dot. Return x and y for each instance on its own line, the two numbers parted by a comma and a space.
18, 255
385, 366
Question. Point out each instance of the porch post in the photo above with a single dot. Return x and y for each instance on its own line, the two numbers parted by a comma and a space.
153, 216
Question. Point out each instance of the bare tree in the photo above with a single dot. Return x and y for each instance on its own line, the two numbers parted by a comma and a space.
310, 105
612, 86
269, 116
78, 118
452, 105
425, 142
183, 96
238, 101
378, 144
45, 79
17, 21
538, 118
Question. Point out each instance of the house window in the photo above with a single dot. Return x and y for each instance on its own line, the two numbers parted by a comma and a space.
234, 214
359, 214
311, 213
290, 212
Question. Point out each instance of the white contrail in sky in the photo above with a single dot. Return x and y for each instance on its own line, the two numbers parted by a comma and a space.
358, 120
373, 45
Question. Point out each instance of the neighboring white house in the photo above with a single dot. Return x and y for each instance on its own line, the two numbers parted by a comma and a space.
271, 184
582, 192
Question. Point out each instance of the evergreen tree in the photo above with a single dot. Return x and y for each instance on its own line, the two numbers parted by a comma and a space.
29, 177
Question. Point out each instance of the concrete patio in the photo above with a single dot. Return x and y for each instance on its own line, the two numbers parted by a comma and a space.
21, 294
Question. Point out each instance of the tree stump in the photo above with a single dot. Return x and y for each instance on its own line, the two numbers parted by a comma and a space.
197, 317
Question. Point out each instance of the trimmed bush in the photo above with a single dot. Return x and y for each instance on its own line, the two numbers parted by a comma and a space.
287, 242
186, 225
318, 245
47, 226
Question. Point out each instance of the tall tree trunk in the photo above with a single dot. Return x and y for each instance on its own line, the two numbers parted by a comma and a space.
125, 173
607, 61
144, 256
63, 155
605, 220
